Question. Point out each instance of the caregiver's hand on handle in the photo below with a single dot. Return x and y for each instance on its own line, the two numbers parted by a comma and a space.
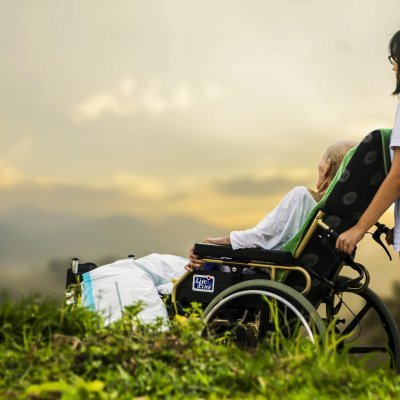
348, 240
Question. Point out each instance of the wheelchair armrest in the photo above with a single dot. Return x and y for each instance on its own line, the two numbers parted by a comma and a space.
205, 250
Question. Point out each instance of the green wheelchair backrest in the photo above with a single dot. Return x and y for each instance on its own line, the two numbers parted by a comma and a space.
359, 177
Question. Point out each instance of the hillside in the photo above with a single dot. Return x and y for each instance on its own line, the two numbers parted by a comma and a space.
47, 352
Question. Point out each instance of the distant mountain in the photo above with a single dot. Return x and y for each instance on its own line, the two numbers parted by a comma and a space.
33, 236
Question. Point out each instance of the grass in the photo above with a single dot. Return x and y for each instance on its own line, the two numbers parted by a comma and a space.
48, 351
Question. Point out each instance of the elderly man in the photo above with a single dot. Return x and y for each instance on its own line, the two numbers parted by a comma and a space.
110, 288
283, 222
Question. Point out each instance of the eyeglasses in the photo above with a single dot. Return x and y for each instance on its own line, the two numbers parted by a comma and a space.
392, 59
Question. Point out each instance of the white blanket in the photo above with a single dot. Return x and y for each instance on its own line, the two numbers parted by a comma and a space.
110, 288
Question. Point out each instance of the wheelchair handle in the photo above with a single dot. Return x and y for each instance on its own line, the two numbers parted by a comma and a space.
75, 265
381, 228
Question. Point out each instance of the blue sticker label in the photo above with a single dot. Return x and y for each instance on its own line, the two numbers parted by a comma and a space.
203, 283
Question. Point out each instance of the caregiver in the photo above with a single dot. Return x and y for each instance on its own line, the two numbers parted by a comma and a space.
389, 192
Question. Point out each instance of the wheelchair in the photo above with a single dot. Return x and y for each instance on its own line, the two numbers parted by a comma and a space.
248, 294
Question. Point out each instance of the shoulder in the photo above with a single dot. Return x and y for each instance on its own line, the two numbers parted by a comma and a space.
299, 192
397, 118
395, 137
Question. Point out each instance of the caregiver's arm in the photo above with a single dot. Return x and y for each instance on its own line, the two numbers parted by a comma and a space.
384, 198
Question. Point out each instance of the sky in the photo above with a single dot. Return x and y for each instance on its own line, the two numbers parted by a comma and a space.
203, 109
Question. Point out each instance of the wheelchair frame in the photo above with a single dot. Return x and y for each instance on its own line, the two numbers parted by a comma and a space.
309, 308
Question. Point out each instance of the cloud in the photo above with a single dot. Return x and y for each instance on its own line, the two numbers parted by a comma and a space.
9, 175
183, 97
70, 198
20, 149
138, 186
155, 99
214, 91
252, 186
129, 194
105, 102
119, 102
345, 47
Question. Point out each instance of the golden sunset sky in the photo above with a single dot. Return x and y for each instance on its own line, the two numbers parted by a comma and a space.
203, 109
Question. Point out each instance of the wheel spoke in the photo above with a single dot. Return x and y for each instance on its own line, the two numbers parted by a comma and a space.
356, 320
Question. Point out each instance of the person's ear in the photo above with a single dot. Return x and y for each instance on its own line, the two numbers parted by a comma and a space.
327, 167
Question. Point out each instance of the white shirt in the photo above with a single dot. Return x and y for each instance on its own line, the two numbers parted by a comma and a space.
395, 142
280, 225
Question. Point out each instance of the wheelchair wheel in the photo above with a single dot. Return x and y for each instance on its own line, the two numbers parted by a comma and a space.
367, 327
261, 312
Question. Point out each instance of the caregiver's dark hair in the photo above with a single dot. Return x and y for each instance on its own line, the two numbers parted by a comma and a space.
394, 49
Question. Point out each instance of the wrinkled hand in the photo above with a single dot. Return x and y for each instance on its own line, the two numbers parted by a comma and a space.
348, 240
194, 261
390, 237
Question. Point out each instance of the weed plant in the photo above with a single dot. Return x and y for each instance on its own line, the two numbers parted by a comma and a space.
48, 351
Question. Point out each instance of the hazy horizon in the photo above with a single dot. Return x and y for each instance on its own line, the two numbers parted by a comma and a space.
207, 112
